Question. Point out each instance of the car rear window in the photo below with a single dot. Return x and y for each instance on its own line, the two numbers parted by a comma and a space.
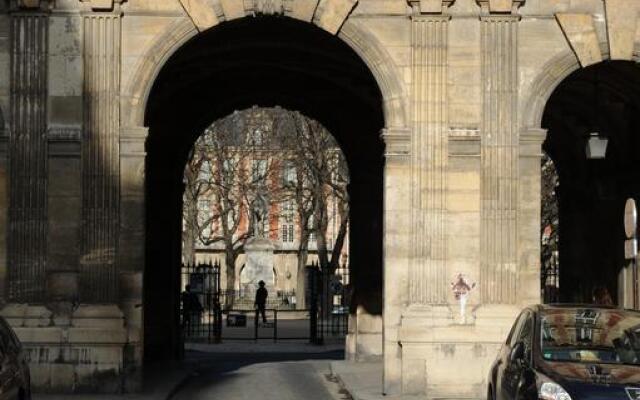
590, 335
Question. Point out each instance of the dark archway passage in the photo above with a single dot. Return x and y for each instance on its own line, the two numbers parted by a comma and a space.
265, 61
603, 98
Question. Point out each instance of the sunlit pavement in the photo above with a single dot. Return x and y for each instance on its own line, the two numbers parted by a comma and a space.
264, 376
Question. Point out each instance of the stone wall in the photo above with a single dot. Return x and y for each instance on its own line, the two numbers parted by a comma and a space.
464, 85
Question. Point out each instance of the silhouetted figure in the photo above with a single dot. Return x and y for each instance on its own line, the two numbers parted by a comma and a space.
601, 296
191, 309
261, 301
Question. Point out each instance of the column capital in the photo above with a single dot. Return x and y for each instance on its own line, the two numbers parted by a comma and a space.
533, 135
420, 7
103, 5
30, 5
531, 140
397, 142
491, 7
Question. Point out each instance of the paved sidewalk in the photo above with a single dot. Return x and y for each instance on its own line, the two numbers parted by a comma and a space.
363, 380
163, 380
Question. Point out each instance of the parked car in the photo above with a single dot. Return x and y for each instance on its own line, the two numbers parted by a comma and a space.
569, 352
14, 369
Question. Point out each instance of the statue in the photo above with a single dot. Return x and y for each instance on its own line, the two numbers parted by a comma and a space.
260, 213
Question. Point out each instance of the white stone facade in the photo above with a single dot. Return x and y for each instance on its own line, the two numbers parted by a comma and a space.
464, 85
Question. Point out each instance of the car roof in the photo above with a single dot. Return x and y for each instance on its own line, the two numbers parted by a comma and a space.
574, 306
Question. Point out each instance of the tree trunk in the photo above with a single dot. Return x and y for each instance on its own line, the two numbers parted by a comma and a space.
301, 284
337, 247
190, 234
230, 268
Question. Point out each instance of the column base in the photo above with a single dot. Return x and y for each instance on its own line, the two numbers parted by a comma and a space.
443, 358
82, 353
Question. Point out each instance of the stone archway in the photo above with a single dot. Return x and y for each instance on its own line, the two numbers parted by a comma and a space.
557, 73
371, 112
366, 45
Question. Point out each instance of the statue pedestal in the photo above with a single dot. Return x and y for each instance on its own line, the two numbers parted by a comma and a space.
258, 267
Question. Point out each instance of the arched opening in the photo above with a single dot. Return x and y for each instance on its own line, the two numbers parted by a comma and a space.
265, 61
602, 99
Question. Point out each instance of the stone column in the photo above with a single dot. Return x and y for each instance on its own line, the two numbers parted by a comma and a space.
499, 153
428, 280
101, 154
27, 237
397, 244
64, 135
529, 188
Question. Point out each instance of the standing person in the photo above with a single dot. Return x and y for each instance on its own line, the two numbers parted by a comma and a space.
191, 309
601, 296
261, 301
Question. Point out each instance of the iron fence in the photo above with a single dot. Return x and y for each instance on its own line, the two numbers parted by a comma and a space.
200, 310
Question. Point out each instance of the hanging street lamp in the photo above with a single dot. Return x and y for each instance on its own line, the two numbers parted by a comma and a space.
596, 147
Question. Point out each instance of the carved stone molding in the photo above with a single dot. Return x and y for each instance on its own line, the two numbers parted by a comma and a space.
132, 141
64, 133
17, 5
329, 15
531, 142
64, 141
500, 6
104, 5
397, 143
430, 6
464, 142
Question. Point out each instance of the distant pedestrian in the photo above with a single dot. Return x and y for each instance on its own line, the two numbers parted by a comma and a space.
261, 301
191, 309
601, 296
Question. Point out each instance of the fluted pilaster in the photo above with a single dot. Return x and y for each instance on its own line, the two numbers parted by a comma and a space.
499, 159
428, 279
27, 241
100, 157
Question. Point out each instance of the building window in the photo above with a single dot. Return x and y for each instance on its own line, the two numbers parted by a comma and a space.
287, 233
288, 210
289, 174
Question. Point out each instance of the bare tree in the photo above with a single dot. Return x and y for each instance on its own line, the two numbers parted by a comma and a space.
321, 176
195, 185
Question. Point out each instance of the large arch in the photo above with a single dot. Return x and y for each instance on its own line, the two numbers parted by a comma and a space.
364, 43
262, 61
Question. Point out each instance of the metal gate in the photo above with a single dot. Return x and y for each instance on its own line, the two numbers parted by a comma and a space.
329, 304
200, 311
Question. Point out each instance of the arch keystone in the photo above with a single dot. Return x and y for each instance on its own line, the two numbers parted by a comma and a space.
331, 14
580, 31
201, 13
622, 24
